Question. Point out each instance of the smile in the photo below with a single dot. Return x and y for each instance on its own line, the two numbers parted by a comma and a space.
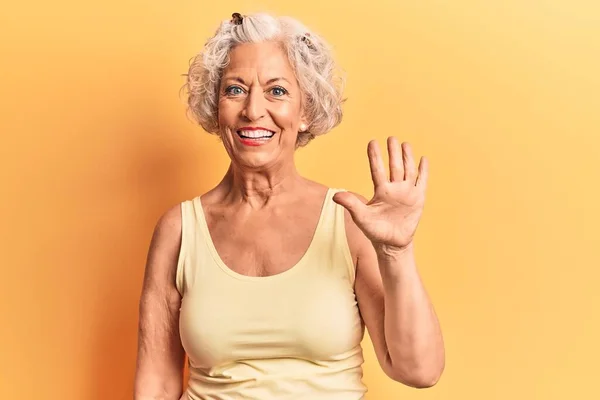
254, 137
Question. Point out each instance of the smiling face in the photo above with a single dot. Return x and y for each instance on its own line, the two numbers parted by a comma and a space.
260, 106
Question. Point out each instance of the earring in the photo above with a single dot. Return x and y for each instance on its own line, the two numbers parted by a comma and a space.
302, 127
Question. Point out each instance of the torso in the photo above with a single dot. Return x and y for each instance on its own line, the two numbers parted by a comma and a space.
235, 329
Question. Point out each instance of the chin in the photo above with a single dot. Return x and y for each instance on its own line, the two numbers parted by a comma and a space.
255, 160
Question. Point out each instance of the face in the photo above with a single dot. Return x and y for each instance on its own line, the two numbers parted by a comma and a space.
260, 107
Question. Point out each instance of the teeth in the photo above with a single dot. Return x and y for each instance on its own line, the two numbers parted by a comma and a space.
256, 134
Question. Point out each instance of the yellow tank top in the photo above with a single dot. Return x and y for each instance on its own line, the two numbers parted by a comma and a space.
293, 335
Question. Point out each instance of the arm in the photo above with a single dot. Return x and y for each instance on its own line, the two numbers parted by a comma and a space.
399, 316
160, 356
393, 302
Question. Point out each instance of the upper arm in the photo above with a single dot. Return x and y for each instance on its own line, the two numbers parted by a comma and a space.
369, 290
160, 357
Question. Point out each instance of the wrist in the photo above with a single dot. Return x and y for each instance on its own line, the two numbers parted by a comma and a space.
390, 252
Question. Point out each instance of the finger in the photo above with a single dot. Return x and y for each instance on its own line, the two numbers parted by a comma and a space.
423, 173
376, 163
350, 202
396, 163
410, 172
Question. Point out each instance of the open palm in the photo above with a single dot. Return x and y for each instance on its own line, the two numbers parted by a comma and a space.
391, 217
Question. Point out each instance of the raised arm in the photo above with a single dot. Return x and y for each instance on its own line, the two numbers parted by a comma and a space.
392, 299
160, 357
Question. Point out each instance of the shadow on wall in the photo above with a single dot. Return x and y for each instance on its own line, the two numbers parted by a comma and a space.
150, 183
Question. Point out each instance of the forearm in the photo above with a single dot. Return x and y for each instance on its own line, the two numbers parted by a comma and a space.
157, 388
412, 332
141, 395
158, 385
138, 397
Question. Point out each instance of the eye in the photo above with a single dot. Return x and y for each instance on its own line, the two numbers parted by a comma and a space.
278, 91
234, 90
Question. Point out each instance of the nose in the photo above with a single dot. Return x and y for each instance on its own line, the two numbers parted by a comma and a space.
255, 107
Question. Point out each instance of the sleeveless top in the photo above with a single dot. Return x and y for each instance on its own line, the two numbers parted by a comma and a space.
293, 335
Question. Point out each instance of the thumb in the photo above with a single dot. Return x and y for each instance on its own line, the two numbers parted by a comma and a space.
349, 201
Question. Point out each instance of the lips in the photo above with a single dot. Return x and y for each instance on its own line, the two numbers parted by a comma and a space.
252, 136
255, 133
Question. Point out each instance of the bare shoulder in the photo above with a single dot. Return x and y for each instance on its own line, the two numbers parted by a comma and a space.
161, 263
170, 220
314, 192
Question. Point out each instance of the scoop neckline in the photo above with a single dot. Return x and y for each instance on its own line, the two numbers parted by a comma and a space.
290, 271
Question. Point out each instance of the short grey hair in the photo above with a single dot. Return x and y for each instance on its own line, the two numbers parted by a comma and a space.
320, 79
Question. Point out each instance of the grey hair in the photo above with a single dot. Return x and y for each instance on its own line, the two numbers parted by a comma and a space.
319, 78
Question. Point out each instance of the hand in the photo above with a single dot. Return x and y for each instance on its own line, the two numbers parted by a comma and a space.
391, 217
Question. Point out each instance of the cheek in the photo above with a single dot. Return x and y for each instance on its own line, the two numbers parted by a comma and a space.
286, 115
226, 111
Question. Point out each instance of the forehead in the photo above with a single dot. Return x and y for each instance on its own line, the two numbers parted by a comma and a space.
265, 60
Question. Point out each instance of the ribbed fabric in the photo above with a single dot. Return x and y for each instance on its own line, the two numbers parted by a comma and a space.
294, 335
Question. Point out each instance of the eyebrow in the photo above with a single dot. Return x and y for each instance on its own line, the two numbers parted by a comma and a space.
241, 80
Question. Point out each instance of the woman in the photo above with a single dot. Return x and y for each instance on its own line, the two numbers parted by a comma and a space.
268, 280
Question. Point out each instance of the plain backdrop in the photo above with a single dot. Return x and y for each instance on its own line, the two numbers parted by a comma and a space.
501, 96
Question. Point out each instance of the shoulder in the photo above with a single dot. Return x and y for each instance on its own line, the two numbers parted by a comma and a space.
168, 225
163, 254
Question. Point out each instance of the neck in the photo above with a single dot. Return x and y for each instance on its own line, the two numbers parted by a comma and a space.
259, 188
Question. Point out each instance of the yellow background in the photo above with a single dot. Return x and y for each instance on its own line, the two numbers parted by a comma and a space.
502, 96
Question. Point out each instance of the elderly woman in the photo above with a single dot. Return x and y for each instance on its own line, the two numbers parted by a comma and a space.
268, 280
